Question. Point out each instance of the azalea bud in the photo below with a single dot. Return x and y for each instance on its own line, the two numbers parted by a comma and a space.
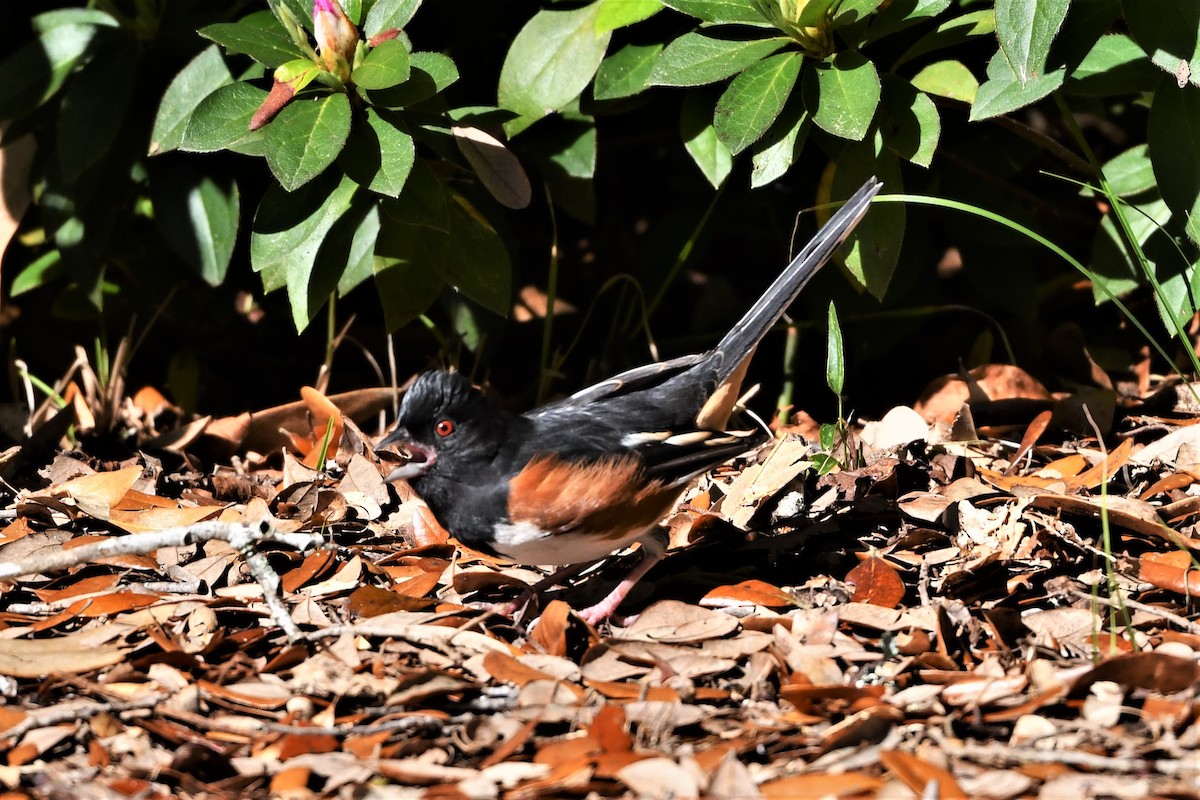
383, 36
289, 79
337, 38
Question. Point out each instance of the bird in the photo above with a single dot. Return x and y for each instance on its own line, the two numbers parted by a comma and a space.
578, 479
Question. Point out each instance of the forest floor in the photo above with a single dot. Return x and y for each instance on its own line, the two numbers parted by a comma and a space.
1000, 603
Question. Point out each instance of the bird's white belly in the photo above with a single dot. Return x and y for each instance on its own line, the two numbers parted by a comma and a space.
526, 543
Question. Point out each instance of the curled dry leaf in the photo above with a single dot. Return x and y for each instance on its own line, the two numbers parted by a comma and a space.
1174, 570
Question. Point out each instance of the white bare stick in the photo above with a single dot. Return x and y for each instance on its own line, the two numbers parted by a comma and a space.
238, 535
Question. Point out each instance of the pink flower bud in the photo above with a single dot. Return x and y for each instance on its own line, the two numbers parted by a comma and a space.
289, 79
281, 94
383, 36
337, 38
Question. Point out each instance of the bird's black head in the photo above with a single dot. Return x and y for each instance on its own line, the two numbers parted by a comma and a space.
449, 427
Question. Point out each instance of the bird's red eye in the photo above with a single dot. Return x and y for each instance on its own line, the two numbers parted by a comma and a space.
444, 427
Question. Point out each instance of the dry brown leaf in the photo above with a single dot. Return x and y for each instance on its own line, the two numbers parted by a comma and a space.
787, 459
160, 519
660, 778
326, 422
1032, 434
833, 785
504, 667
1124, 512
1154, 671
942, 398
681, 623
748, 593
372, 601
97, 494
918, 774
1103, 472
550, 633
1174, 570
426, 529
876, 582
72, 654
253, 694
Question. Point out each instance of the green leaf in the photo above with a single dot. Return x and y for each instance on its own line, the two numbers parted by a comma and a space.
779, 149
344, 259
198, 215
37, 70
1111, 260
565, 153
951, 33
379, 155
95, 105
202, 76
550, 62
947, 79
384, 67
1002, 92
1026, 29
407, 284
258, 35
1115, 65
911, 125
874, 248
835, 363
899, 14
474, 260
49, 20
222, 120
44, 269
720, 11
754, 99
306, 137
1131, 172
1168, 31
1173, 135
842, 96
619, 13
423, 202
695, 59
701, 141
625, 72
289, 229
293, 11
828, 435
429, 73
387, 14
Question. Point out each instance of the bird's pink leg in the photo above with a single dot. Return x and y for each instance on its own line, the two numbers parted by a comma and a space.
653, 548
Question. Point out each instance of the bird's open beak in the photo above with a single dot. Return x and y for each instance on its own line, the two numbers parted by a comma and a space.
420, 457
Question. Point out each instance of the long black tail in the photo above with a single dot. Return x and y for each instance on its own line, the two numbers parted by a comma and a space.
762, 316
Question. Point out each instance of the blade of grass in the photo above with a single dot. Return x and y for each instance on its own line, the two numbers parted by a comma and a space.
955, 205
1123, 226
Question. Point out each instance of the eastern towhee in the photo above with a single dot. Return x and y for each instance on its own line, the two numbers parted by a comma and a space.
575, 480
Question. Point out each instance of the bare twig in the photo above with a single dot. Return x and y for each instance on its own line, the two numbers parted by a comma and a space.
239, 535
407, 724
1003, 754
73, 710
1183, 622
